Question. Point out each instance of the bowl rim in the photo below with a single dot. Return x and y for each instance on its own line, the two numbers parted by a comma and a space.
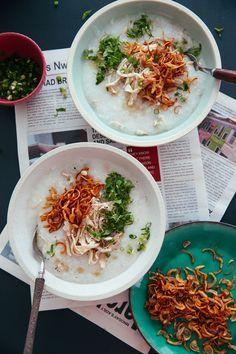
85, 292
121, 137
24, 99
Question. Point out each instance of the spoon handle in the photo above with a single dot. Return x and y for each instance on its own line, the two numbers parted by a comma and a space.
225, 75
38, 289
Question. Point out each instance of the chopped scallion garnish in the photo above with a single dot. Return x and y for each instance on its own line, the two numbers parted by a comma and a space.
219, 30
86, 14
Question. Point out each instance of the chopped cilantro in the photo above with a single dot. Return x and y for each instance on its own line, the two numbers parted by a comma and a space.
108, 56
88, 54
195, 50
219, 30
86, 14
117, 189
140, 27
132, 236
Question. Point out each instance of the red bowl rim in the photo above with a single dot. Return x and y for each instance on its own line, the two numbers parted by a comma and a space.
24, 99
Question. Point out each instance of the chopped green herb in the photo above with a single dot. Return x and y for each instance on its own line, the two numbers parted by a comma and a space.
219, 30
117, 189
155, 58
185, 86
141, 246
182, 98
132, 236
140, 82
179, 46
133, 61
51, 252
130, 249
59, 79
195, 50
86, 14
61, 109
177, 93
145, 235
18, 77
126, 70
63, 92
140, 27
156, 110
108, 56
88, 54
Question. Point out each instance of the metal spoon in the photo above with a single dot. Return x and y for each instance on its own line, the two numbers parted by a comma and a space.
220, 74
38, 289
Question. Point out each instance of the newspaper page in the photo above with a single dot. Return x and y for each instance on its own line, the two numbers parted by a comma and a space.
217, 135
51, 120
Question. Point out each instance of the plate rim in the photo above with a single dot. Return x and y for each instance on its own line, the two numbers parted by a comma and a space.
219, 223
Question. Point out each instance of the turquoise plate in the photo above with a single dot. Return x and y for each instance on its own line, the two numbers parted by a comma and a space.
201, 235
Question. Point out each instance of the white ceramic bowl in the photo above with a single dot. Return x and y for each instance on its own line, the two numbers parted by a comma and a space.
179, 14
21, 226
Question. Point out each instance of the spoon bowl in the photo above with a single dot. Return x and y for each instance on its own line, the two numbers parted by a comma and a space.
39, 253
220, 74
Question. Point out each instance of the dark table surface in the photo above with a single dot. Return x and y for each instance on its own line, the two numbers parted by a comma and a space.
63, 331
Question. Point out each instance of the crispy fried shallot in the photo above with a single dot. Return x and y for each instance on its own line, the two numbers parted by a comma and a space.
195, 305
217, 257
152, 71
74, 204
190, 255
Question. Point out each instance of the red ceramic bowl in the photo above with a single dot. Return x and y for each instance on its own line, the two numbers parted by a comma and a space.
22, 46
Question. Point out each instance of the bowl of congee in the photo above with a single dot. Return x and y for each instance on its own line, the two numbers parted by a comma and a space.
99, 217
130, 75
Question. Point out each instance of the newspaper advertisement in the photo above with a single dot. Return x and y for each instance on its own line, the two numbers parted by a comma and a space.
51, 120
217, 135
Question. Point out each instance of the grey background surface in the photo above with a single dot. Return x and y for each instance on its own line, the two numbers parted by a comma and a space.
62, 331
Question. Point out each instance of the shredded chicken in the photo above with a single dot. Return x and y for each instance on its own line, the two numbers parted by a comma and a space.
79, 241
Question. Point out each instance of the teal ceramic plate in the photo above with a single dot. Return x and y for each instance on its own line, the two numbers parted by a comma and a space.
201, 235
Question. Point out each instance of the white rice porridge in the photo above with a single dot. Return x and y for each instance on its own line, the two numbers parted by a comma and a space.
76, 268
140, 119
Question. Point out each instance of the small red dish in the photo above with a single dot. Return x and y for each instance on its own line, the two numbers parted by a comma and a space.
12, 43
